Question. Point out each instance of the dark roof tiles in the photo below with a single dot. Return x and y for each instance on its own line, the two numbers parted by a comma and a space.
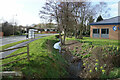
111, 21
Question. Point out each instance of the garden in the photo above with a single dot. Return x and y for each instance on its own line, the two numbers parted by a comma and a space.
100, 57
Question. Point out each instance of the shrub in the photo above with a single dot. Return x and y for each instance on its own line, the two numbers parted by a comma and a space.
86, 56
17, 33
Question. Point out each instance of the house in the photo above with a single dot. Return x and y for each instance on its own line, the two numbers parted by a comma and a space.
1, 33
108, 29
42, 28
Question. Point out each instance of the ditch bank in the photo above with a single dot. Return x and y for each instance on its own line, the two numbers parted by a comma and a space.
74, 63
45, 61
89, 61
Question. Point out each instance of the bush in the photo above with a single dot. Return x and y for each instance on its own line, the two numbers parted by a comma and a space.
86, 56
57, 36
17, 33
115, 73
7, 29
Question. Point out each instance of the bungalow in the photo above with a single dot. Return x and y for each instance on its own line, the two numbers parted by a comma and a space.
108, 29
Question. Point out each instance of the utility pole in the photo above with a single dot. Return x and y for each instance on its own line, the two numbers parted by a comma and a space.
14, 23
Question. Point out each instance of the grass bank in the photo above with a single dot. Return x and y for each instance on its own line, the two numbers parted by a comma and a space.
45, 61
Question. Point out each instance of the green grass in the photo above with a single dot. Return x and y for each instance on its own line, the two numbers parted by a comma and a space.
11, 44
115, 73
99, 42
45, 61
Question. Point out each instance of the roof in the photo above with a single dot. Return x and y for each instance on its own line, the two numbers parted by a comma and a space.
111, 21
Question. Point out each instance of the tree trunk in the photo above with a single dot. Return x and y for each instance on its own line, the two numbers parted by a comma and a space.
64, 37
80, 36
75, 33
60, 37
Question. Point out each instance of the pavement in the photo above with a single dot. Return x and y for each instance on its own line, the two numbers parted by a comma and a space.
15, 39
11, 39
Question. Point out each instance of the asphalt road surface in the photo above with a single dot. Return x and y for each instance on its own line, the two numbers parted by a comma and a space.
18, 38
4, 54
11, 39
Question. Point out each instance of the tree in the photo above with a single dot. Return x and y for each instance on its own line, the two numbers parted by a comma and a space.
99, 18
67, 18
82, 12
90, 20
7, 29
71, 17
50, 25
101, 9
51, 11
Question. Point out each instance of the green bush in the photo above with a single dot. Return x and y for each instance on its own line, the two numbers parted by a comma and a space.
17, 33
115, 73
86, 56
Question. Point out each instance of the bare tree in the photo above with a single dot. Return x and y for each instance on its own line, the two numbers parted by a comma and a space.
82, 12
70, 16
51, 10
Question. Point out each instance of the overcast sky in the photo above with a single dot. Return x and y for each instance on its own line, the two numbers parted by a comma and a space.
25, 12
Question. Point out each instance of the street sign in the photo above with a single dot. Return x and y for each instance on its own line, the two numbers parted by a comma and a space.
31, 33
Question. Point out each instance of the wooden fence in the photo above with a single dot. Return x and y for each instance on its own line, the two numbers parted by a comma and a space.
27, 57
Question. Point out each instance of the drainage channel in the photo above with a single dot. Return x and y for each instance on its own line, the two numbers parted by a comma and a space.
74, 63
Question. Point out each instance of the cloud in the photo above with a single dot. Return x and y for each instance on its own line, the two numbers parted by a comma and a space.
26, 10
119, 8
115, 5
9, 8
114, 9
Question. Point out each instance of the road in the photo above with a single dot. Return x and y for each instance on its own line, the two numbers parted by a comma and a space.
4, 54
18, 38
11, 39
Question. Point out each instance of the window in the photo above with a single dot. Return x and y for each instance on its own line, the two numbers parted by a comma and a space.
104, 31
48, 29
95, 31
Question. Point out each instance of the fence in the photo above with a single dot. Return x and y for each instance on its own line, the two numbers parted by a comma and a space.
27, 57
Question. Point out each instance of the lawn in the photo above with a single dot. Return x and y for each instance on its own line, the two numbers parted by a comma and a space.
45, 61
99, 42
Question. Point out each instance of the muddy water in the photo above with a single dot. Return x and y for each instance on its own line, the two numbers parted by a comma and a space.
74, 63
